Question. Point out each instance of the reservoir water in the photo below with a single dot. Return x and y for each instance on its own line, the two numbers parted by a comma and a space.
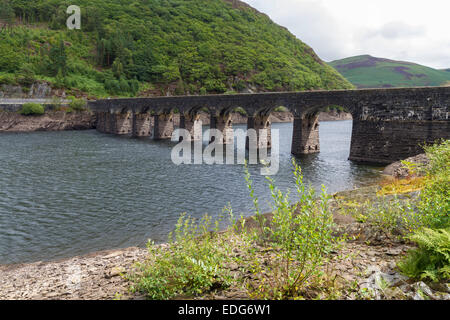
69, 193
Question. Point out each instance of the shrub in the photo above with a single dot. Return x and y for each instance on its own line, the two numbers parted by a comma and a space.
124, 86
435, 198
300, 235
192, 264
77, 104
29, 109
240, 85
439, 155
281, 109
390, 216
26, 76
8, 78
241, 111
431, 260
429, 210
112, 86
134, 86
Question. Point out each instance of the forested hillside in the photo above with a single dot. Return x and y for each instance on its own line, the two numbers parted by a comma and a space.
370, 72
143, 47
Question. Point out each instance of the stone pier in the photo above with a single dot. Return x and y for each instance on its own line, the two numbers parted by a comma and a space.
163, 126
260, 123
107, 122
224, 124
192, 124
142, 125
305, 139
122, 123
101, 121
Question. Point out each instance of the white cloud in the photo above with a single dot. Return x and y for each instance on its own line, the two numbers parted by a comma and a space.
396, 30
412, 30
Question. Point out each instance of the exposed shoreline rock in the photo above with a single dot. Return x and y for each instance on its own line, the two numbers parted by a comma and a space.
399, 171
50, 121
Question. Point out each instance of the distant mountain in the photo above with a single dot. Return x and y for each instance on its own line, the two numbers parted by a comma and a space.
370, 72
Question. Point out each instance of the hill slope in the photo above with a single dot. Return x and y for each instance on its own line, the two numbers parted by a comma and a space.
370, 72
142, 47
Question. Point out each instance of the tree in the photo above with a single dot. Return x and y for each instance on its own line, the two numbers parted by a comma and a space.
58, 59
59, 80
7, 15
117, 68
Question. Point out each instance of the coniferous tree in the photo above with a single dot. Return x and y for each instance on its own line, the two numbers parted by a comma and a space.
117, 68
58, 59
7, 15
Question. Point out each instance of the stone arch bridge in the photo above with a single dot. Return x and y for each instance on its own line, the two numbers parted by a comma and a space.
388, 124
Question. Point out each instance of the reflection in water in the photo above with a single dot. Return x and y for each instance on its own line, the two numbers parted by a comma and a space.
69, 193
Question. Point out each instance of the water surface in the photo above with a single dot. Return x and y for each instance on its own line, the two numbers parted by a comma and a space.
68, 193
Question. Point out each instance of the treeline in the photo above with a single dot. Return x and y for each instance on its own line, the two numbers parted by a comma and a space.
181, 46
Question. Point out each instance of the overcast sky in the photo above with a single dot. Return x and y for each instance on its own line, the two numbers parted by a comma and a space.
409, 30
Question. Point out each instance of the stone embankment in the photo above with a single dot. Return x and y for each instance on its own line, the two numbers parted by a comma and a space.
50, 121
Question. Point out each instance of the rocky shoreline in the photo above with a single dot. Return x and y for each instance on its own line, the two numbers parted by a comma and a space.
398, 169
50, 121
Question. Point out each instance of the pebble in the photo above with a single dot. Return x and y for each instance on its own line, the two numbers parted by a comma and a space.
393, 252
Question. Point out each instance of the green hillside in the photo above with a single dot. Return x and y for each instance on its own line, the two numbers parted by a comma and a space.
370, 72
155, 47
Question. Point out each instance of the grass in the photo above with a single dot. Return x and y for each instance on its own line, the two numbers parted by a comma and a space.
401, 186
